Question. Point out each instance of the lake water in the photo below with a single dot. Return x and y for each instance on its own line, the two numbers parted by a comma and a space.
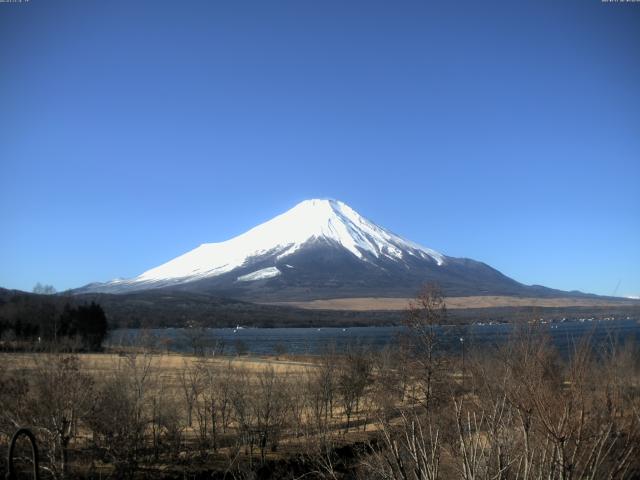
312, 341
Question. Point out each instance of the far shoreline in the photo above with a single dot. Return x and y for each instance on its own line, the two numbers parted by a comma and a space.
392, 304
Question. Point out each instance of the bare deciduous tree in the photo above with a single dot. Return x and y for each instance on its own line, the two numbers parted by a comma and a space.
354, 376
60, 396
410, 450
122, 413
426, 313
190, 385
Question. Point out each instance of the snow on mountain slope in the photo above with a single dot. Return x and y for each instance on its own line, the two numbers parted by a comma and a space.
261, 274
312, 220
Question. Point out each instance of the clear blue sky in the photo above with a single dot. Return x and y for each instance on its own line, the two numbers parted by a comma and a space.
133, 131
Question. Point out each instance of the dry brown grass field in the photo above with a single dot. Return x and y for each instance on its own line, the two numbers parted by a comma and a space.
394, 304
186, 385
165, 364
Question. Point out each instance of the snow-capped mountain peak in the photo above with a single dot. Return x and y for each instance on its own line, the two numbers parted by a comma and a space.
319, 249
310, 221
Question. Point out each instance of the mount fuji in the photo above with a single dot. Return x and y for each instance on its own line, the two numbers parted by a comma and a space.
319, 249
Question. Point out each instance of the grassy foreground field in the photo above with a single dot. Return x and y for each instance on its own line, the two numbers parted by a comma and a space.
519, 411
165, 365
222, 413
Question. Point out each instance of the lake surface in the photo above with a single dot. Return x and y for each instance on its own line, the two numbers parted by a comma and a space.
313, 341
